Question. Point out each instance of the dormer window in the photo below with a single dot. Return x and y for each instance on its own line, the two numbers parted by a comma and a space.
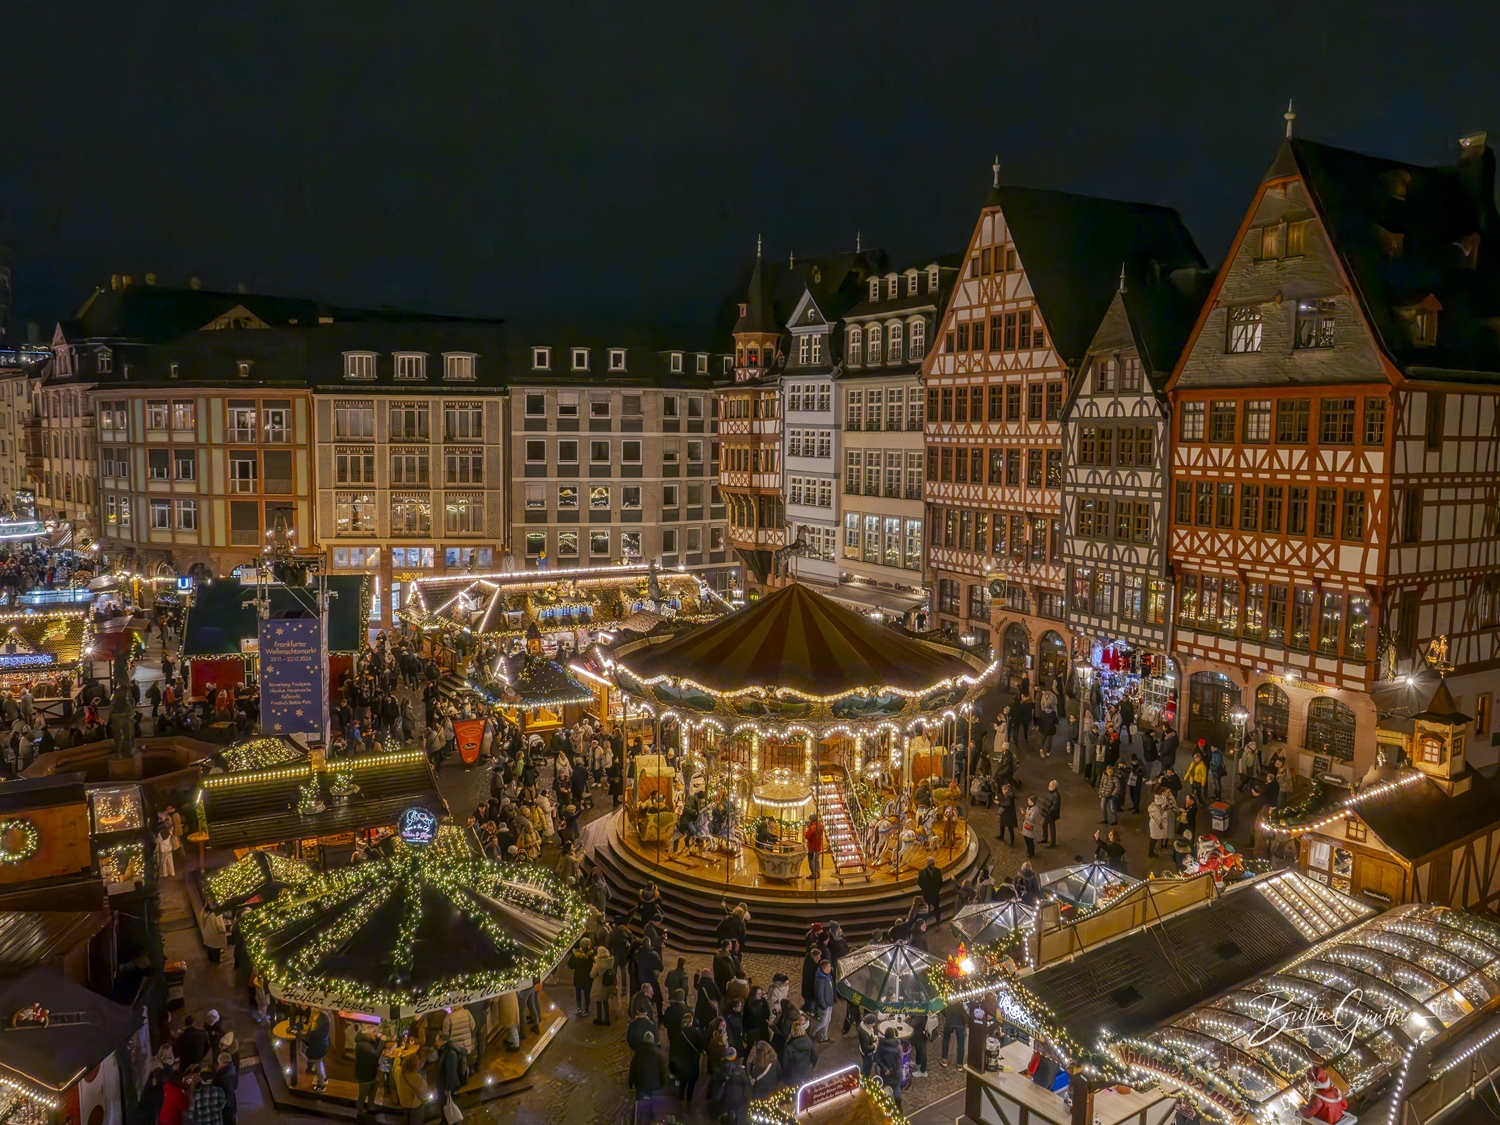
874, 288
580, 359
856, 349
744, 309
702, 363
932, 279
244, 368
458, 365
411, 366
892, 287
817, 347
106, 360
911, 283
675, 362
174, 369
1421, 321
541, 359
616, 359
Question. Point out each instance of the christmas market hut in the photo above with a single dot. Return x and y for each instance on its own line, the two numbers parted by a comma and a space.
533, 691
69, 1055
44, 650
257, 876
985, 923
428, 927
318, 799
1085, 886
795, 685
220, 631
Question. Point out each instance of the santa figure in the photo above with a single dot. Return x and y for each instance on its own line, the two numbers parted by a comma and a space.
1327, 1104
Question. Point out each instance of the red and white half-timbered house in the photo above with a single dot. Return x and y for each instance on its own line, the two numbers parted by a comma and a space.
1336, 456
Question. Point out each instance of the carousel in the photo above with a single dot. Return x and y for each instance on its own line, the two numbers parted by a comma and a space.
794, 722
395, 943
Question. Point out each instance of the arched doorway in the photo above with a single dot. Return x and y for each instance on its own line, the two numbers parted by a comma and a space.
1211, 698
1052, 659
1273, 711
1014, 651
200, 572
1330, 729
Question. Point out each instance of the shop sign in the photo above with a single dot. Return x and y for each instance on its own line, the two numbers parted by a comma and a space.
1377, 896
827, 1088
26, 659
417, 826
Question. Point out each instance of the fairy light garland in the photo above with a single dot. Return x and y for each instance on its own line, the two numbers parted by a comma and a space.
773, 1111
1351, 804
19, 839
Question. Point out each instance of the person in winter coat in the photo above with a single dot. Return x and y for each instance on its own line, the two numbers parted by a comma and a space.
648, 1076
1216, 771
1195, 777
1161, 816
1030, 826
930, 883
1109, 851
1027, 883
1109, 796
1267, 795
888, 1060
764, 1070
1187, 820
1050, 806
581, 961
734, 1099
1135, 777
800, 1057
869, 1040
685, 1046
366, 1068
1007, 813
411, 1086
823, 1001
1167, 750
757, 1017
602, 975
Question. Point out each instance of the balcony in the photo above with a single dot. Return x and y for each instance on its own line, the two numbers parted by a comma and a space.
914, 425
853, 424
913, 492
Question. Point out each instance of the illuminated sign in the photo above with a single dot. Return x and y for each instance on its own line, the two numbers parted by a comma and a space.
827, 1088
417, 826
185, 583
26, 659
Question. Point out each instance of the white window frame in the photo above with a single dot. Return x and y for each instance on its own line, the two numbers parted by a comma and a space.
702, 363
359, 365
580, 359
616, 358
458, 365
410, 367
541, 359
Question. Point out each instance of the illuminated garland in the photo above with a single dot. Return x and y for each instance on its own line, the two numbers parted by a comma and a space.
19, 840
241, 878
260, 754
1291, 821
309, 795
123, 863
352, 894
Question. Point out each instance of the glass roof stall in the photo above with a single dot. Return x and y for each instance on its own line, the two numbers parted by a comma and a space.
1353, 1004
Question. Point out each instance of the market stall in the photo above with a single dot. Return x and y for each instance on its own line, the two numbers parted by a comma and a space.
45, 651
1150, 680
1085, 886
891, 978
70, 1055
261, 752
394, 942
531, 691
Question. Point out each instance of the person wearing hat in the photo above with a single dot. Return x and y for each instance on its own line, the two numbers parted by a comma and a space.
226, 1077
1328, 1102
734, 1100
214, 1029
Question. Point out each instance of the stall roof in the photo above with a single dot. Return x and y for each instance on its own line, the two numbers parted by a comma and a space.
30, 937
1152, 973
1419, 819
800, 639
83, 1030
223, 614
41, 792
246, 809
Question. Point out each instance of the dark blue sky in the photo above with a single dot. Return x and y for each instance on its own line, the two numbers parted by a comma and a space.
618, 160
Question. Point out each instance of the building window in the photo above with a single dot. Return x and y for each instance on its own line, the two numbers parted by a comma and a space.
411, 515
1354, 515
1325, 515
1104, 376
242, 472
359, 365
241, 421
187, 515
893, 343
156, 415
599, 544
1258, 421
541, 359
410, 466
463, 515
411, 365
1336, 421
409, 421
580, 359
1374, 421
1292, 416
1221, 421
158, 464
1315, 323
186, 464
458, 365
617, 360
1190, 427
161, 515
354, 420
916, 344
464, 466
855, 347
354, 513
1244, 329
536, 452
1296, 512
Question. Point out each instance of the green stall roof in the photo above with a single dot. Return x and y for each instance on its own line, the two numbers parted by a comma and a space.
223, 612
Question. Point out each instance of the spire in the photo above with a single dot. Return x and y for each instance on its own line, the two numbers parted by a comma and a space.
856, 242
1122, 277
791, 260
757, 246
995, 167
1290, 116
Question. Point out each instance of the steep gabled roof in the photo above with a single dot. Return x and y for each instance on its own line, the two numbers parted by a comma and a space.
773, 289
1071, 247
1401, 232
1162, 307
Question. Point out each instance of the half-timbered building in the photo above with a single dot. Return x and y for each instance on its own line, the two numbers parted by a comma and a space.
1039, 273
1114, 492
1336, 454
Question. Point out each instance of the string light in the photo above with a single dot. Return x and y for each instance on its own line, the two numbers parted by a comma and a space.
1349, 805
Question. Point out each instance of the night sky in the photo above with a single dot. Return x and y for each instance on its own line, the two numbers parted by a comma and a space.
560, 160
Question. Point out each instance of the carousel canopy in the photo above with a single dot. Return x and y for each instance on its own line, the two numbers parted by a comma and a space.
256, 874
428, 927
61, 1031
889, 978
984, 923
797, 639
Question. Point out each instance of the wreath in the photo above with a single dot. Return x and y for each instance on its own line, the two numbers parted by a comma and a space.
18, 840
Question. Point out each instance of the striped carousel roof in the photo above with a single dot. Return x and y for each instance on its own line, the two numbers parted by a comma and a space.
796, 638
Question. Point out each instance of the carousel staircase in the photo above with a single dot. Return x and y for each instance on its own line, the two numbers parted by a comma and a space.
840, 829
779, 920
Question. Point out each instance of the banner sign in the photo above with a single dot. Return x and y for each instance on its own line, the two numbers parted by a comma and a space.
292, 659
469, 733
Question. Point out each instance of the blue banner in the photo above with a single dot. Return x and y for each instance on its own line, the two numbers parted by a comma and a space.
292, 663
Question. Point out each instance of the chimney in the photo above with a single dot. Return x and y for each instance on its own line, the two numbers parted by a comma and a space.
1476, 171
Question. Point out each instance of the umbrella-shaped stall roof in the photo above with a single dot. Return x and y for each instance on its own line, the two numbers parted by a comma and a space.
797, 640
984, 923
1086, 885
428, 927
256, 874
889, 978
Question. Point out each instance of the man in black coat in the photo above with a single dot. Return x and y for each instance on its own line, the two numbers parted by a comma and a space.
930, 883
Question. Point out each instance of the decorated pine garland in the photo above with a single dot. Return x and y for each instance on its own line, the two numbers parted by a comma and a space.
19, 840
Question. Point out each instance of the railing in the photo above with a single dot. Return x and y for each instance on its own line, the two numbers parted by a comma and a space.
241, 484
914, 492
244, 538
240, 434
278, 485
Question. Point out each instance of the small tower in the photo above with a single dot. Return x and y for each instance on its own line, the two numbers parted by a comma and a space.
1438, 738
